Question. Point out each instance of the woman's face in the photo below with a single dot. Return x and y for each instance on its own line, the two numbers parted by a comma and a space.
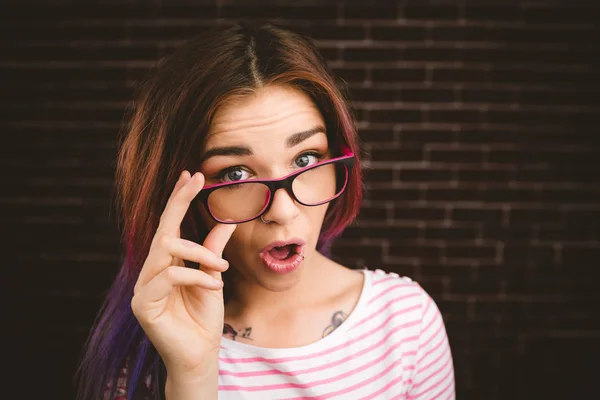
256, 137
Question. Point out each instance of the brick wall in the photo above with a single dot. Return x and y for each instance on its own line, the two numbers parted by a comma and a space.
480, 135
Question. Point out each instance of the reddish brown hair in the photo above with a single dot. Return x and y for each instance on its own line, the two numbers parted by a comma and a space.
172, 113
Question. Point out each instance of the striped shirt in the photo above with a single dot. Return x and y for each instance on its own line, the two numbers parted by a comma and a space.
392, 346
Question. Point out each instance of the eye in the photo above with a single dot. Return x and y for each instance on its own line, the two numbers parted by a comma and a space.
306, 159
233, 174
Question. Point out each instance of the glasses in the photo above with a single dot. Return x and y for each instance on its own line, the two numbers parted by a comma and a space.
243, 201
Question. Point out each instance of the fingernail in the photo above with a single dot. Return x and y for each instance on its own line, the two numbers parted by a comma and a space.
224, 263
218, 283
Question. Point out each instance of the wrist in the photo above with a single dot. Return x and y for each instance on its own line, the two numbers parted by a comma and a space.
192, 386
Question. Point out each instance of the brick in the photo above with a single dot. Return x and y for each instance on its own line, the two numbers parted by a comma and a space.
33, 32
354, 250
453, 194
483, 175
561, 14
370, 12
537, 253
456, 156
458, 75
427, 95
532, 215
60, 13
488, 96
568, 195
450, 233
352, 75
492, 13
373, 213
310, 12
584, 232
416, 213
547, 97
574, 175
470, 251
369, 135
392, 232
330, 53
332, 32
397, 154
421, 251
375, 94
400, 115
458, 33
582, 216
487, 216
393, 194
510, 233
516, 156
86, 53
398, 33
399, 74
532, 75
581, 254
458, 115
378, 175
371, 53
425, 175
166, 32
372, 135
431, 12
517, 195
432, 286
431, 54
423, 136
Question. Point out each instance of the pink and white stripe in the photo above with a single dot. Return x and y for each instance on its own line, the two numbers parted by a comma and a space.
393, 346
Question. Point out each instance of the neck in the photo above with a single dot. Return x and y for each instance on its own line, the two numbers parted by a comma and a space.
251, 300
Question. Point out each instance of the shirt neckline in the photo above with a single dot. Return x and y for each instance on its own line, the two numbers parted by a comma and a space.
327, 341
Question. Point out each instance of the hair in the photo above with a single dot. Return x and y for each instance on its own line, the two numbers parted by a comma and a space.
162, 136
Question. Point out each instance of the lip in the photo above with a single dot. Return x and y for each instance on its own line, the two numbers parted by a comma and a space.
279, 243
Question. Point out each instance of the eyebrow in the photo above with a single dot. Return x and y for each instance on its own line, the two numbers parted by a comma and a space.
291, 141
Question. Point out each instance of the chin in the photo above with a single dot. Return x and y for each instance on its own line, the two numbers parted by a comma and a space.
279, 284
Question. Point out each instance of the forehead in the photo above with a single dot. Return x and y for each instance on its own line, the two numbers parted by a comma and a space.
270, 110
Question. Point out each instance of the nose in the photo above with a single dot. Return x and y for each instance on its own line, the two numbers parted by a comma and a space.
283, 209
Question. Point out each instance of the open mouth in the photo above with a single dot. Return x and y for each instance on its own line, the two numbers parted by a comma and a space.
283, 256
284, 252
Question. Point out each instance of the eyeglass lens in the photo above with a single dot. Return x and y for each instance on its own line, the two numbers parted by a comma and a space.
247, 200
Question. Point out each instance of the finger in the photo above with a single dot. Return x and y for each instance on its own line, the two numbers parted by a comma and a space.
158, 256
178, 205
188, 250
182, 180
162, 284
216, 240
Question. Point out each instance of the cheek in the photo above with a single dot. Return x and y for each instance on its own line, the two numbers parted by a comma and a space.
316, 215
206, 219
237, 245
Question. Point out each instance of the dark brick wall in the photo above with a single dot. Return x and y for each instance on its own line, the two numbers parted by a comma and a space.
480, 134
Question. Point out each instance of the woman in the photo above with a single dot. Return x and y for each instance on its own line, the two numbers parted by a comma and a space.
241, 162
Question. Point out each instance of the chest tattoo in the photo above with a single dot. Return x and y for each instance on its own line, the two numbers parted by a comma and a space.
231, 333
336, 320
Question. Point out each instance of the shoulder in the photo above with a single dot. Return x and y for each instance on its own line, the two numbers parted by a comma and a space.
386, 286
398, 297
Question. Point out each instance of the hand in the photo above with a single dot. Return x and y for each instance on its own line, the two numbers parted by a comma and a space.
181, 309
